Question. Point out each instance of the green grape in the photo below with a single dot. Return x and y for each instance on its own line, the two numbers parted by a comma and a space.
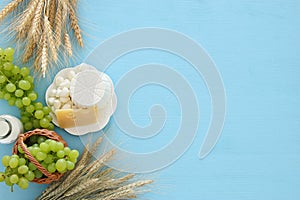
38, 106
24, 85
40, 156
29, 176
67, 151
51, 127
24, 119
44, 123
49, 159
8, 170
15, 156
59, 146
25, 71
73, 154
44, 147
30, 79
30, 108
13, 162
61, 165
1, 94
32, 96
19, 103
20, 150
9, 51
5, 161
73, 160
14, 179
7, 181
8, 66
48, 117
46, 110
45, 165
23, 169
7, 96
15, 70
35, 150
3, 79
33, 139
48, 141
22, 161
30, 149
41, 139
2, 176
28, 126
60, 154
51, 168
52, 145
70, 165
39, 114
36, 123
12, 101
10, 87
23, 183
26, 101
31, 166
8, 74
19, 93
38, 173
35, 145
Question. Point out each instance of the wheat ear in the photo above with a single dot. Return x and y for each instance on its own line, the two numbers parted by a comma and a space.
36, 22
75, 26
52, 12
9, 8
44, 58
23, 27
68, 44
49, 33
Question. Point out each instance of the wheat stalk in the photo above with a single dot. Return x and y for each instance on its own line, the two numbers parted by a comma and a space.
36, 19
93, 181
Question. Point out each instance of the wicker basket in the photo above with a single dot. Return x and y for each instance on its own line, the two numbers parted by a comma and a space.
43, 132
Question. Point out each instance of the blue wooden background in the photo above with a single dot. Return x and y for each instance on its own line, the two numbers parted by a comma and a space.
256, 46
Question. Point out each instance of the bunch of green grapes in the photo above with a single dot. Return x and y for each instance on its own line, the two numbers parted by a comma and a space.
17, 87
52, 155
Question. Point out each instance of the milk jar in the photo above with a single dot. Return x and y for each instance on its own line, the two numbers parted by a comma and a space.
10, 128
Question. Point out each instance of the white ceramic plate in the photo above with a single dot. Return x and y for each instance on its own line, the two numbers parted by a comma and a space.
104, 113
